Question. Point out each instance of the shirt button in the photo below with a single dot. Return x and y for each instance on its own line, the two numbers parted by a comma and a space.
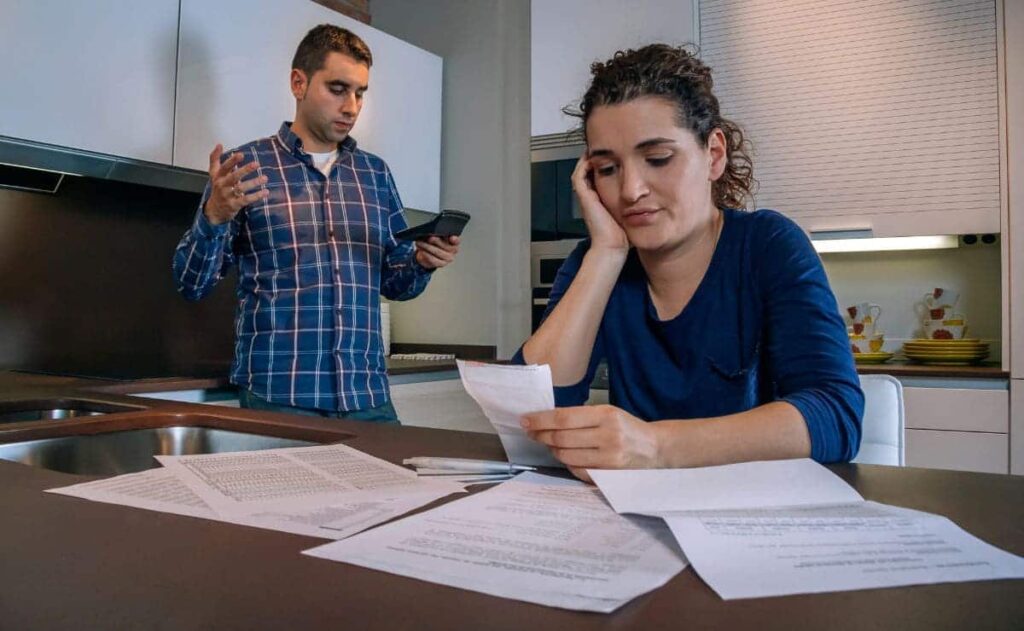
330, 233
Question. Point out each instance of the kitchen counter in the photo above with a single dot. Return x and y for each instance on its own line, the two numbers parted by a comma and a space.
907, 369
70, 563
15, 379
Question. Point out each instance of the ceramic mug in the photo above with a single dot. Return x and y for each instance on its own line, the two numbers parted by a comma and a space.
946, 314
864, 314
941, 330
876, 342
858, 343
940, 297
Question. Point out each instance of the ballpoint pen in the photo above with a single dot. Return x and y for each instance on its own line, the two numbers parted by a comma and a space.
465, 464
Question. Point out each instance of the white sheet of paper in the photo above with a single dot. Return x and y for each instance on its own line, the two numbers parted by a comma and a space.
774, 552
660, 492
295, 479
160, 490
505, 393
536, 538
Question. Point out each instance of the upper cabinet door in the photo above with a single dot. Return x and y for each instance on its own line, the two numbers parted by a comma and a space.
233, 72
95, 75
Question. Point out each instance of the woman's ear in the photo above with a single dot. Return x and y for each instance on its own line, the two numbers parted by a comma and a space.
718, 154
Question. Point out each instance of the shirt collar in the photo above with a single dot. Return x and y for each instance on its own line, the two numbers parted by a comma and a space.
294, 144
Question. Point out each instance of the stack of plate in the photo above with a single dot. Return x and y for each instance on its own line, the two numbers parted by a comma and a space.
946, 352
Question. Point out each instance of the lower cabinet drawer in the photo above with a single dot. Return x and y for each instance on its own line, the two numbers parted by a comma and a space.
960, 451
957, 409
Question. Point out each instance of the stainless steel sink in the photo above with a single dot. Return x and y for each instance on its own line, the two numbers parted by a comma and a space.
57, 409
131, 451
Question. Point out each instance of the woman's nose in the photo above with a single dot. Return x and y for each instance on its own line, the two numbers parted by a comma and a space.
634, 186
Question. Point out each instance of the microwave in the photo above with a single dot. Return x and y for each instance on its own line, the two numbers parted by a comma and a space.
546, 257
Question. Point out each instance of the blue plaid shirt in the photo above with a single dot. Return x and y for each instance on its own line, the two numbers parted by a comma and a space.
313, 259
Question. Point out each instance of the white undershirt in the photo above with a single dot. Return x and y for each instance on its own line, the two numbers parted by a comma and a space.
324, 161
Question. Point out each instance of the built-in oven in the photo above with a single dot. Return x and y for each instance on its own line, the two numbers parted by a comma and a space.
546, 257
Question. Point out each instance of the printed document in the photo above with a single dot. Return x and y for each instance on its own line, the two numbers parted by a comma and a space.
793, 527
295, 478
537, 539
160, 490
779, 551
505, 393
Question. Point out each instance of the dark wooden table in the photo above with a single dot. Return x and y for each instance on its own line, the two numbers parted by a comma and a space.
72, 564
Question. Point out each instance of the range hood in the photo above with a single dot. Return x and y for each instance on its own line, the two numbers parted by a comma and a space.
36, 155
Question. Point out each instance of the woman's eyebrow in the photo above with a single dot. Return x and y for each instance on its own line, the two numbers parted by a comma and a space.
650, 142
653, 142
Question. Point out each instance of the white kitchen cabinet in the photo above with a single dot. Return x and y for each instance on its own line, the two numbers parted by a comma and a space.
965, 429
95, 75
959, 451
854, 125
233, 87
1017, 426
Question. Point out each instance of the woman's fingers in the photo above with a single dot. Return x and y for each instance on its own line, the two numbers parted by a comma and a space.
587, 438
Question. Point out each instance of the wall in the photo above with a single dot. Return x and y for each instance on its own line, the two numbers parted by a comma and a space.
570, 34
483, 298
86, 285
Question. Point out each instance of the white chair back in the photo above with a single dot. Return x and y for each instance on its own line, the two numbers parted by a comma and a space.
882, 430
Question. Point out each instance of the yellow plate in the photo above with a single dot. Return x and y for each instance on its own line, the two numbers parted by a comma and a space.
946, 351
947, 358
949, 361
872, 358
927, 342
962, 347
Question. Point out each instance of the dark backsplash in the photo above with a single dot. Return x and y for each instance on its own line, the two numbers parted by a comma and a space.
86, 285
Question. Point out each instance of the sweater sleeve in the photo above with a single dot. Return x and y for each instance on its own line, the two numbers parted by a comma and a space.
808, 351
577, 393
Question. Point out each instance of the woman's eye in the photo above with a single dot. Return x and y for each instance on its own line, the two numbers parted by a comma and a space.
658, 161
605, 170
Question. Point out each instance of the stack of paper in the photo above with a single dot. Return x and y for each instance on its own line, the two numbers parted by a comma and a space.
792, 527
329, 491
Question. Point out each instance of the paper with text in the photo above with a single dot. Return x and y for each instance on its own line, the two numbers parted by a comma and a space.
537, 539
775, 552
160, 490
295, 478
505, 393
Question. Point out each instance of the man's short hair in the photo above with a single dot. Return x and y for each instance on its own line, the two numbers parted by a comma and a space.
327, 38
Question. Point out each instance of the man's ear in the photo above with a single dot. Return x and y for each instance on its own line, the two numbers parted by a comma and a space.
299, 84
719, 154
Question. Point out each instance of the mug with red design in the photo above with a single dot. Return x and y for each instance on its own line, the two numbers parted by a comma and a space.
940, 297
864, 317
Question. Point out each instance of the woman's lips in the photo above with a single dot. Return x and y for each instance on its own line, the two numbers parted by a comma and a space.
640, 217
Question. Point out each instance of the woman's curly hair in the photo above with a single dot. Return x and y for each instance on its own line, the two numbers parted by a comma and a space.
677, 75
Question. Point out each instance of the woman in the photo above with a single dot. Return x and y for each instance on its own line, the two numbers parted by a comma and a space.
717, 323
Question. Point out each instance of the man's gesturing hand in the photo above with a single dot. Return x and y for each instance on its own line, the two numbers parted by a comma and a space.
228, 193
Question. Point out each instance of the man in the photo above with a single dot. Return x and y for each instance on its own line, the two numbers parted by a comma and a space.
309, 219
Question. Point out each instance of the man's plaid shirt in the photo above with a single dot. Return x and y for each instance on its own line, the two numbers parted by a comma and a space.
313, 259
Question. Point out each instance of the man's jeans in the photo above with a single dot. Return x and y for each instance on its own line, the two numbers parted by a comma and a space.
380, 414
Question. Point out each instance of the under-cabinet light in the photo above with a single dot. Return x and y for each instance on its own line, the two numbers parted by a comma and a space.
887, 244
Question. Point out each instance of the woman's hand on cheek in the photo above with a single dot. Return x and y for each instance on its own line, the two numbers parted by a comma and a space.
595, 437
604, 231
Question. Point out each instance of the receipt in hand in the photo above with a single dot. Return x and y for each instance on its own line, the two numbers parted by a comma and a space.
506, 393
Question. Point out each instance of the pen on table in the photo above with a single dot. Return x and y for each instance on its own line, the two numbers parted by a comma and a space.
465, 464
